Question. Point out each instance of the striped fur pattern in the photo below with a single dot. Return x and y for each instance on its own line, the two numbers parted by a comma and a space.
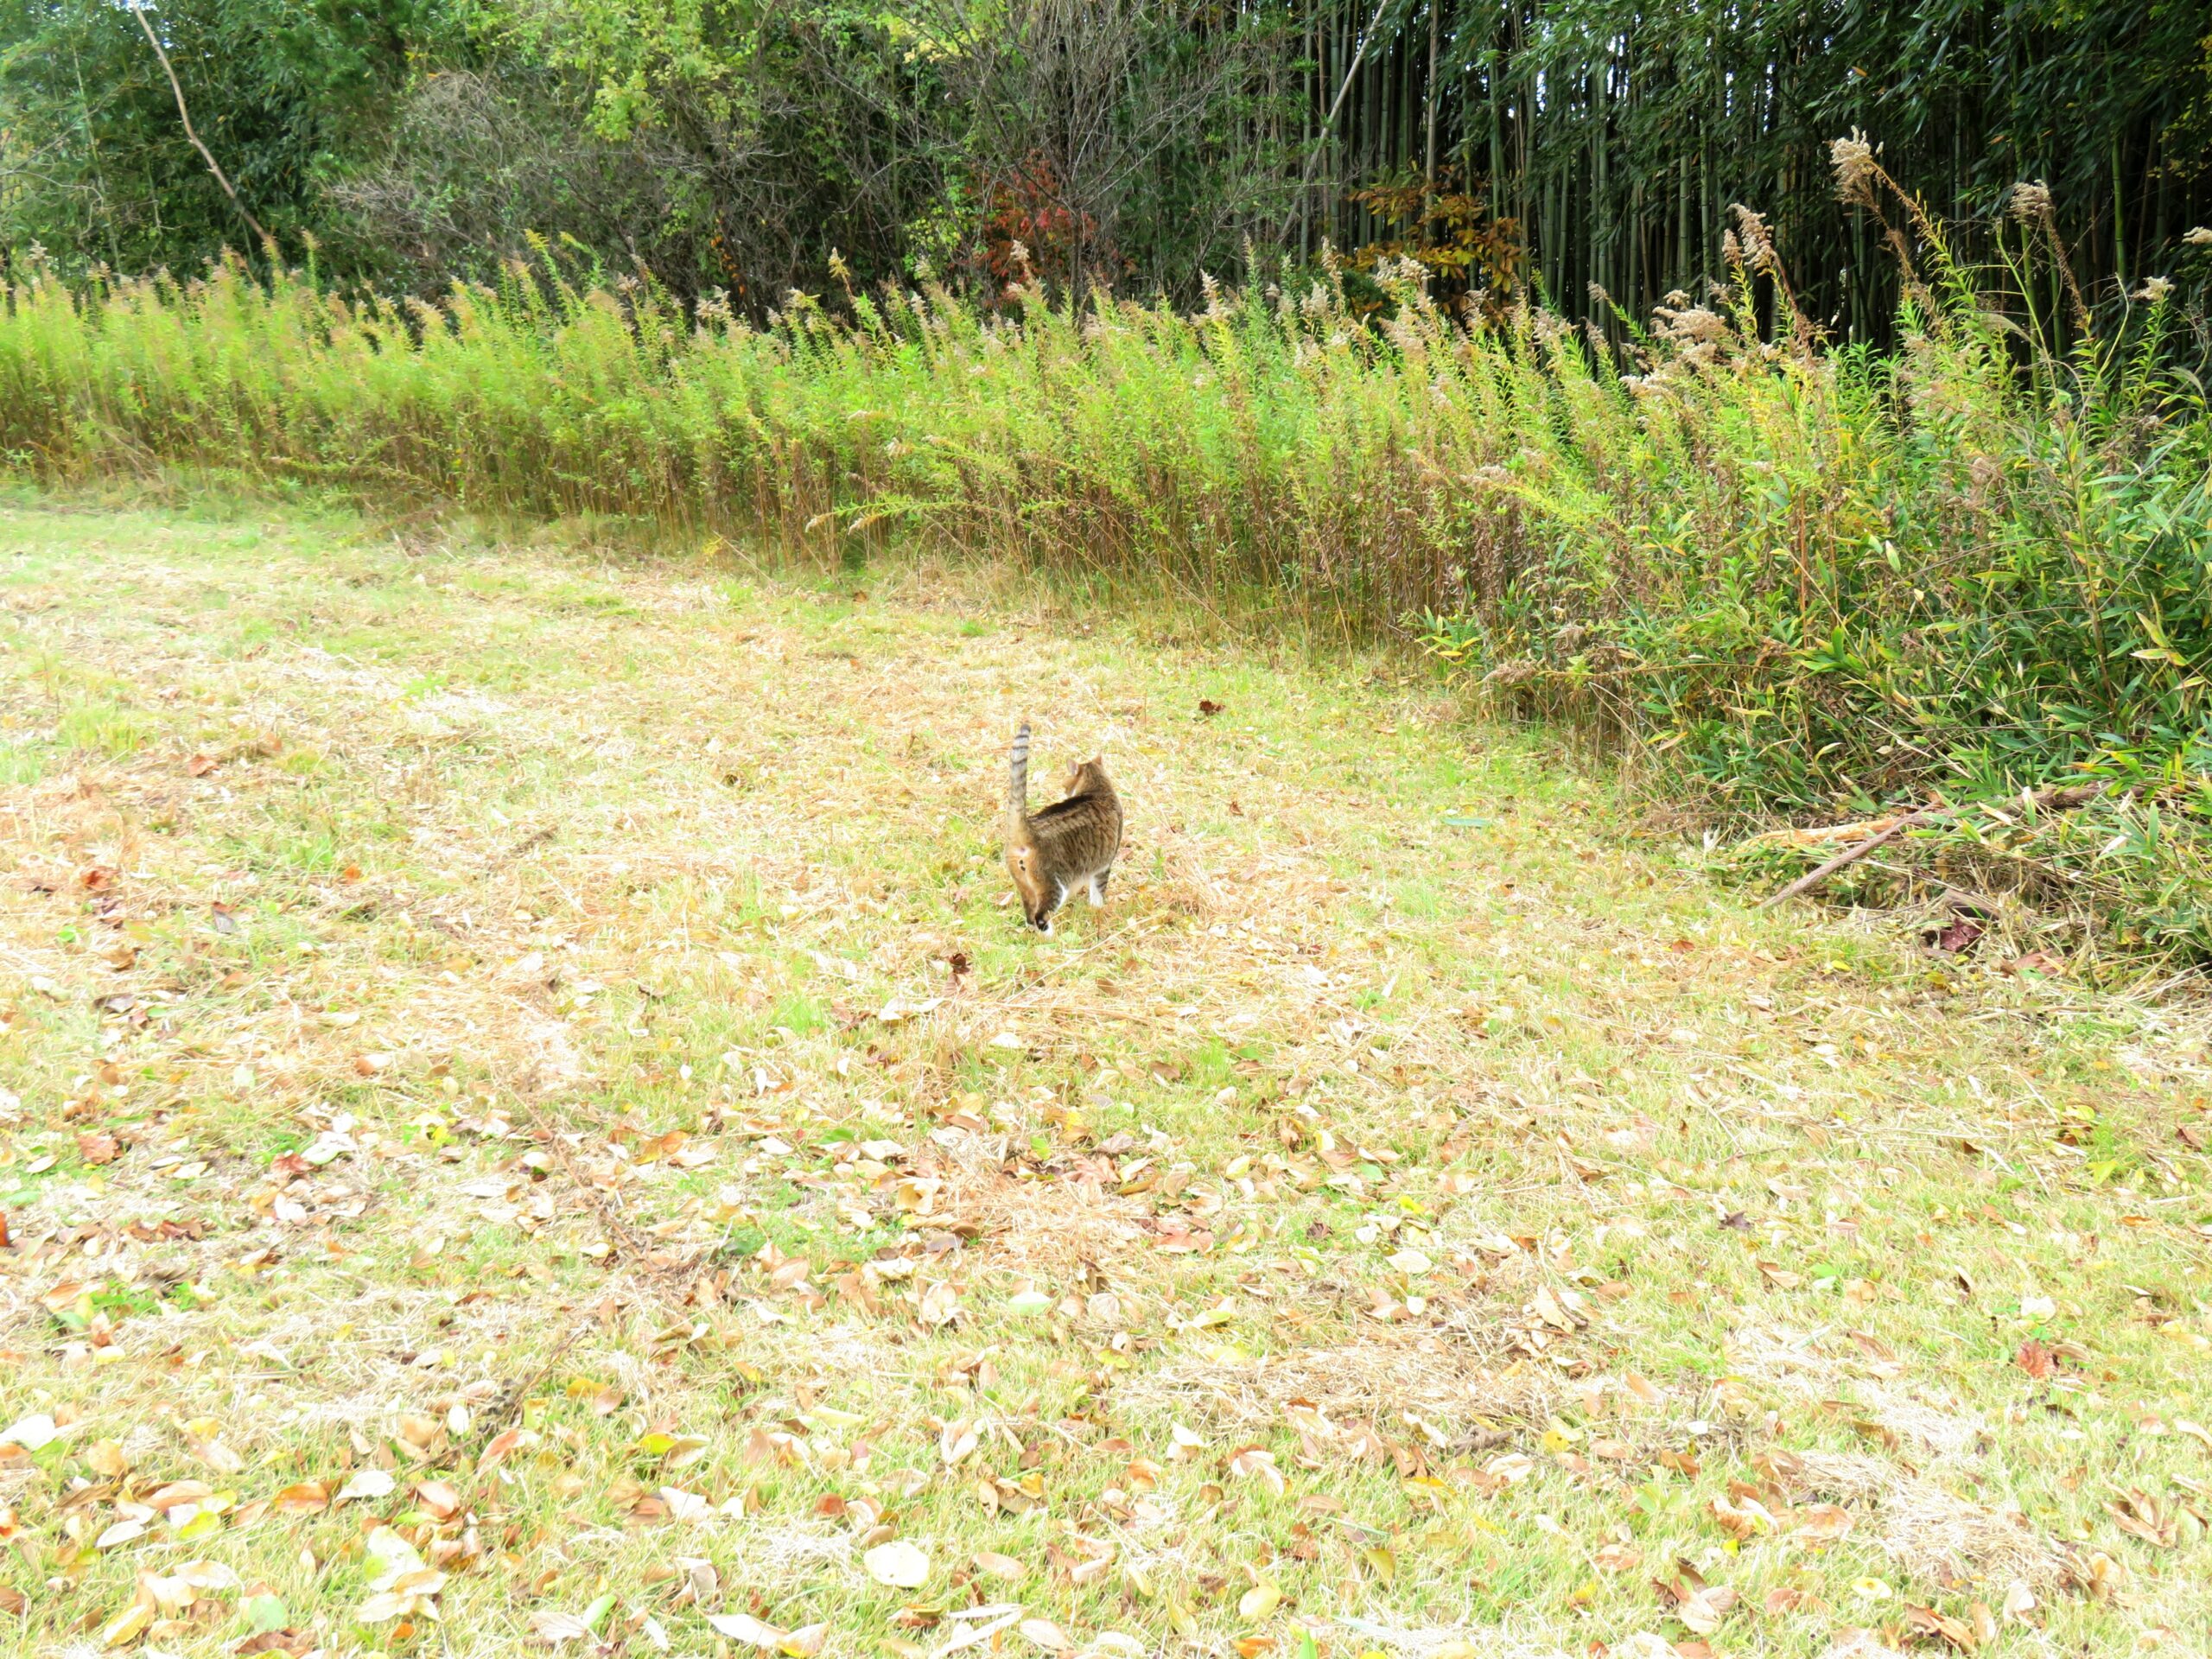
1070, 846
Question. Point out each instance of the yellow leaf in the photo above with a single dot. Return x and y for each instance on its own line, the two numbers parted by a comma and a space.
128, 1626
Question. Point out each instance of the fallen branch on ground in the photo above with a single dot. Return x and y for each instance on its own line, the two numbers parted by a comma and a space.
2057, 797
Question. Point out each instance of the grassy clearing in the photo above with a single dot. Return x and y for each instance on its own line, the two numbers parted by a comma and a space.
538, 1041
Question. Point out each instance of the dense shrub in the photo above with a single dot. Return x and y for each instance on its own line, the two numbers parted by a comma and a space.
1802, 581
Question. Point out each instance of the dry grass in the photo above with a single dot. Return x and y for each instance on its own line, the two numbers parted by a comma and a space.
547, 1028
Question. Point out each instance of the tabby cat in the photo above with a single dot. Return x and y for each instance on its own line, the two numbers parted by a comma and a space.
1073, 844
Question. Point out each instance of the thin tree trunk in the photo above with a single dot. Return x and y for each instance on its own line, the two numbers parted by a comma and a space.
185, 116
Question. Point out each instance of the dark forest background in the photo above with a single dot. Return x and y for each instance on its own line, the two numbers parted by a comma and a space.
751, 145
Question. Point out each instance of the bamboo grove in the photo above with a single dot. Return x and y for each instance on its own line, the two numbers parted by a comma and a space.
1615, 137
1589, 148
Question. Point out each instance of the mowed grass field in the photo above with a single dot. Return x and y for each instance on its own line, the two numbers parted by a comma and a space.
532, 1124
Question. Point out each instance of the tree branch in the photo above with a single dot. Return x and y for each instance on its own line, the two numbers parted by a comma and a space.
185, 115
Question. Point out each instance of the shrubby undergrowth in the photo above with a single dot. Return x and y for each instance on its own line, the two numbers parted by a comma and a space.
1804, 581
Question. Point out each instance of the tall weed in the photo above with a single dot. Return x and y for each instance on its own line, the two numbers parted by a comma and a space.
1805, 581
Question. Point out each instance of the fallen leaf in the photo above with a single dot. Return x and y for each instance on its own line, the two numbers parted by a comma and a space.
1701, 1610
1823, 1523
208, 1576
32, 1432
1253, 1464
743, 1627
1259, 1600
899, 1008
999, 1566
555, 1628
1047, 1635
122, 1533
899, 1564
940, 1304
1927, 1624
128, 1626
1789, 1600
440, 1499
367, 1484
309, 1497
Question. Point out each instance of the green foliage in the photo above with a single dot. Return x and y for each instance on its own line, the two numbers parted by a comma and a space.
94, 163
1804, 581
1592, 147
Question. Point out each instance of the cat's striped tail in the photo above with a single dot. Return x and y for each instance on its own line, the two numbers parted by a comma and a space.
1017, 780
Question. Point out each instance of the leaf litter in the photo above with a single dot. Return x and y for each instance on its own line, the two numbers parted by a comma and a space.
1497, 1210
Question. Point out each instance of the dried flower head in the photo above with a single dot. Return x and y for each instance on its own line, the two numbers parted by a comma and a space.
1690, 323
1731, 250
1854, 160
2154, 288
1758, 246
2031, 203
2200, 237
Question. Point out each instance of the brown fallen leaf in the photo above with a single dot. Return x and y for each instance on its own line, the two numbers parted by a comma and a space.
440, 1499
297, 1643
176, 1492
2035, 1359
309, 1497
1927, 1624
1790, 1601
1823, 1524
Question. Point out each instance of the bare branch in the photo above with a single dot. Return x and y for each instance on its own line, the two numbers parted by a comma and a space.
185, 115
